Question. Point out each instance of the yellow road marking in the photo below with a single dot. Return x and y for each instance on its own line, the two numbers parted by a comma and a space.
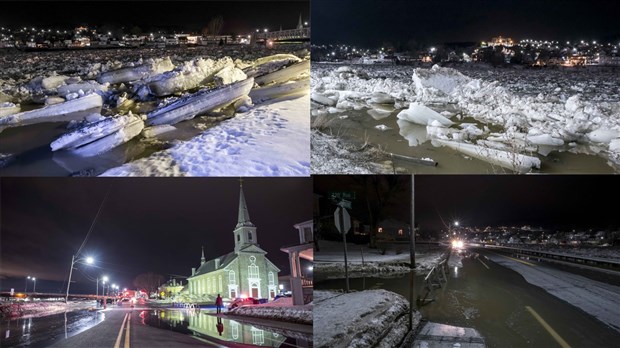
485, 265
127, 332
547, 327
508, 257
120, 333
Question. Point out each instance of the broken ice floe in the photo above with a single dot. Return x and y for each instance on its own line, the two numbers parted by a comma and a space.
127, 74
75, 109
189, 75
101, 136
198, 103
269, 64
290, 88
285, 74
420, 114
509, 160
8, 109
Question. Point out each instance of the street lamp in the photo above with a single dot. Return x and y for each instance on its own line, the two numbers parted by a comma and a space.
88, 260
35, 284
26, 287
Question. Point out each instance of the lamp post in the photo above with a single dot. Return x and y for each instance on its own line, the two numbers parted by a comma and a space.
88, 260
26, 287
35, 284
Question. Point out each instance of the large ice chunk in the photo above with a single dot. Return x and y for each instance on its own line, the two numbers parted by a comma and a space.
74, 109
420, 114
510, 160
131, 129
133, 73
198, 103
90, 132
288, 73
446, 80
190, 75
269, 64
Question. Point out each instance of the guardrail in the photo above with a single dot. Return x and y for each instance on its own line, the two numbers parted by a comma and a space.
585, 260
435, 279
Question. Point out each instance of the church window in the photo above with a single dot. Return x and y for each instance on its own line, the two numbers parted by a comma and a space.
220, 281
271, 279
253, 271
231, 278
249, 235
238, 238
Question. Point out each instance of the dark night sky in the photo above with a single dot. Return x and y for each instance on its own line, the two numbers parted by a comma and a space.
239, 16
556, 201
146, 224
371, 22
537, 200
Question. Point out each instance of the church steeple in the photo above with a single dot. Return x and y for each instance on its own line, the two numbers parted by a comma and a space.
244, 214
300, 24
245, 231
202, 259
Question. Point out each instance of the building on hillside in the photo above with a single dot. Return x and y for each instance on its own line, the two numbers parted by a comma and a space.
245, 271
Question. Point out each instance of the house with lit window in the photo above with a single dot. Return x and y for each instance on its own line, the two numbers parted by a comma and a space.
245, 271
393, 229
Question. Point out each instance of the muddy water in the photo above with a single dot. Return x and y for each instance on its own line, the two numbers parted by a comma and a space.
411, 140
30, 153
494, 301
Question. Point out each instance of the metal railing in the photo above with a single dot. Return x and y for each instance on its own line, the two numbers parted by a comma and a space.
435, 279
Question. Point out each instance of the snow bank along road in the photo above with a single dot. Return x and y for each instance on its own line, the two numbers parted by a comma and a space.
575, 110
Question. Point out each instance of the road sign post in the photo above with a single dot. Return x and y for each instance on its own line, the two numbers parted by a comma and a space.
343, 224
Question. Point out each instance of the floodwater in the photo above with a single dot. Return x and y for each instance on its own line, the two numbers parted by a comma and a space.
44, 331
200, 323
30, 153
494, 301
358, 126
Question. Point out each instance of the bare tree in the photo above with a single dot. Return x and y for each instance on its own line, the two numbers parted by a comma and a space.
148, 281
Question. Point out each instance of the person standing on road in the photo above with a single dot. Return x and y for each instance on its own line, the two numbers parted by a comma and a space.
219, 303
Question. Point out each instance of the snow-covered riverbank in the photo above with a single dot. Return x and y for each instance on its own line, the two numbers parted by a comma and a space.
523, 115
144, 106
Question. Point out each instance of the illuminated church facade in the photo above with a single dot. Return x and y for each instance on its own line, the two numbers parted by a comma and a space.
246, 271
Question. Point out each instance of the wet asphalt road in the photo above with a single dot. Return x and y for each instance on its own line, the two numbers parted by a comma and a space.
510, 312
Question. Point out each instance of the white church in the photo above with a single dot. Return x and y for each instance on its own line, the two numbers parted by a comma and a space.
246, 271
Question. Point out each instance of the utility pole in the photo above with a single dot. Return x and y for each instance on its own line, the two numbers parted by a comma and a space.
344, 239
412, 253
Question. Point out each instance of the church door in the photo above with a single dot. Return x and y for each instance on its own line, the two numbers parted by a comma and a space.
254, 291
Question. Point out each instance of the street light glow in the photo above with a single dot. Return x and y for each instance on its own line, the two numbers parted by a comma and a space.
105, 278
90, 260
456, 223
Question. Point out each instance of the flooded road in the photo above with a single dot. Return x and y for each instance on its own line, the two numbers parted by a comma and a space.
409, 139
501, 305
202, 324
44, 331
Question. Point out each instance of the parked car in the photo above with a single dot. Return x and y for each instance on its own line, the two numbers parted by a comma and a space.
242, 301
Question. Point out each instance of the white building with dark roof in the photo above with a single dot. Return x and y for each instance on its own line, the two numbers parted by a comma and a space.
245, 271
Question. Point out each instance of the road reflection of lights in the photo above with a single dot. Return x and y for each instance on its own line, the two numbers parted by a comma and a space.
7, 334
456, 271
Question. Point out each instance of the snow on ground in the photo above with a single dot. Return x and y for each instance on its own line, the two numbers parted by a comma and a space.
40, 308
330, 155
269, 140
281, 309
539, 111
329, 261
371, 318
598, 299
585, 251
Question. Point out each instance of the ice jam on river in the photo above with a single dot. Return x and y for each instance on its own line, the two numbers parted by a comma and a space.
502, 119
187, 111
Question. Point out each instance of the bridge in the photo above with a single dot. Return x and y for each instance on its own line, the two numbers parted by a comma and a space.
301, 34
